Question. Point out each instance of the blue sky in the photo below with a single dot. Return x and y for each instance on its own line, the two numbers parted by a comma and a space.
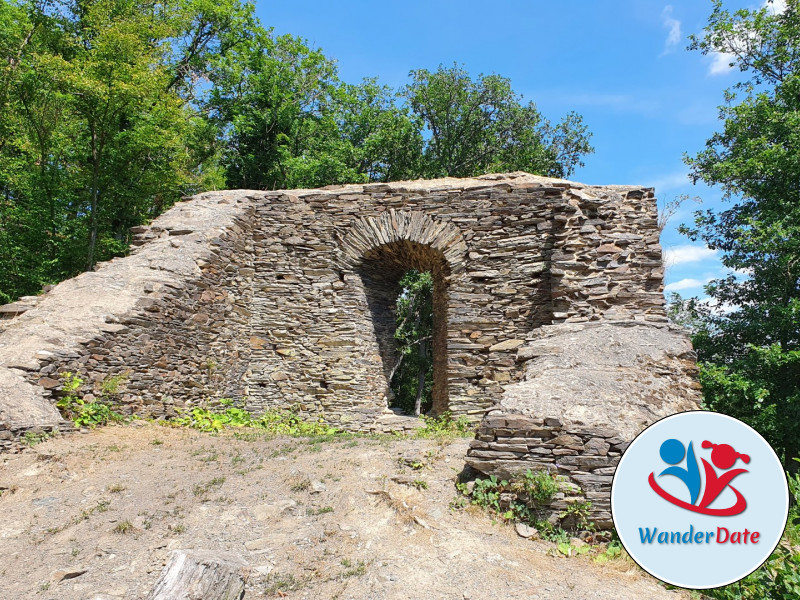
622, 64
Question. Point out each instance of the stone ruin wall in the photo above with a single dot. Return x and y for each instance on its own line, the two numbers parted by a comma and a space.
506, 259
284, 299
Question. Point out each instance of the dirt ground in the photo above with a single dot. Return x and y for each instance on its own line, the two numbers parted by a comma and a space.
95, 515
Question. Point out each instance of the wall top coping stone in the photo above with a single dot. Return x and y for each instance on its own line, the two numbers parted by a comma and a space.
515, 180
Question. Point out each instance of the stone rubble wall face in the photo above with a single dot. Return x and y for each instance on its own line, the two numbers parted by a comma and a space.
315, 340
507, 445
284, 311
185, 344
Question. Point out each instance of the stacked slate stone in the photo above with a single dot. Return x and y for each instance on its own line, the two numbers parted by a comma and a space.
507, 445
286, 299
287, 308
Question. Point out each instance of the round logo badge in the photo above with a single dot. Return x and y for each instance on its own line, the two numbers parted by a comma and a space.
699, 500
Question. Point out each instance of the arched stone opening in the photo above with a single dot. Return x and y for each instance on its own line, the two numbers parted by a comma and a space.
381, 271
380, 250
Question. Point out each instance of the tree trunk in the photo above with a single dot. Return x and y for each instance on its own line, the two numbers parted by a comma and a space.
94, 198
201, 575
421, 378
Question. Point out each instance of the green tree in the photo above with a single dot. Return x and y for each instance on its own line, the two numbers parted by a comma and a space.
479, 126
386, 138
128, 122
749, 347
271, 100
99, 125
288, 121
412, 380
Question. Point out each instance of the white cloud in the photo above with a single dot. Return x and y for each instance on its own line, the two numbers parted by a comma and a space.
685, 284
669, 181
674, 27
776, 7
720, 63
721, 60
687, 253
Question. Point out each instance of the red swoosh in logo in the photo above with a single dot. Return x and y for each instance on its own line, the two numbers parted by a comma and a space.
737, 508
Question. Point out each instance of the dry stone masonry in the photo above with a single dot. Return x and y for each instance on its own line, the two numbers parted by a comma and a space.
285, 299
588, 389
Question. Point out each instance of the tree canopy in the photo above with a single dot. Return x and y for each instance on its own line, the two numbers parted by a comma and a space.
111, 110
479, 126
96, 130
748, 340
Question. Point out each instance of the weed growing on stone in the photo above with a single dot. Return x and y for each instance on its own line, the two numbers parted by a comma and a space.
31, 438
538, 487
301, 484
282, 451
415, 464
445, 426
280, 583
101, 507
80, 412
312, 512
177, 529
212, 456
569, 549
527, 500
612, 551
203, 489
577, 514
353, 570
521, 500
276, 422
111, 384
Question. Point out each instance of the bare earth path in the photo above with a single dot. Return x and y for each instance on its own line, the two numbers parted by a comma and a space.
94, 517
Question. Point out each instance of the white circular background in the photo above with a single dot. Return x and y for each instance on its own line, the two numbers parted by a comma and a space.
635, 505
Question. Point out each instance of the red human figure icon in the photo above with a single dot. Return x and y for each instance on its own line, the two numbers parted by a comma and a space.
724, 457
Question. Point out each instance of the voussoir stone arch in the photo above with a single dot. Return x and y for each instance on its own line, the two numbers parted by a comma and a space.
369, 233
380, 250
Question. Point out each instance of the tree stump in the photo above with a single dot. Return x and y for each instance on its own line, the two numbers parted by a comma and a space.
201, 575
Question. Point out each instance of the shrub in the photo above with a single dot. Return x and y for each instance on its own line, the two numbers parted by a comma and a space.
445, 426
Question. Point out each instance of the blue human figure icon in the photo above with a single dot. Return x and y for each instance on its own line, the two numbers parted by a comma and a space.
672, 452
